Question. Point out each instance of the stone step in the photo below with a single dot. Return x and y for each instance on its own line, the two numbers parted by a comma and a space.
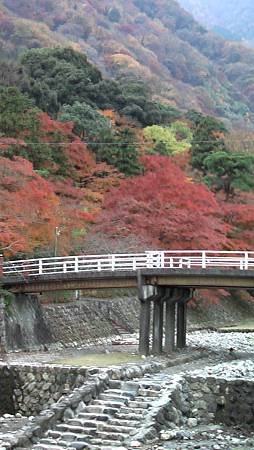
147, 385
108, 403
75, 429
119, 392
49, 447
80, 445
143, 399
94, 409
113, 398
112, 436
48, 441
148, 393
127, 410
69, 436
107, 410
139, 405
83, 417
123, 422
130, 416
115, 384
116, 429
109, 443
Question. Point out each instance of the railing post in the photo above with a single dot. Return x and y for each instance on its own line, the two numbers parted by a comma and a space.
203, 260
1, 265
113, 261
149, 260
99, 265
76, 263
134, 265
40, 267
246, 260
162, 260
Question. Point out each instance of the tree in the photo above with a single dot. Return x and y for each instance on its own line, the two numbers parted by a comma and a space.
165, 208
88, 123
58, 76
32, 217
124, 155
17, 114
229, 171
169, 140
208, 137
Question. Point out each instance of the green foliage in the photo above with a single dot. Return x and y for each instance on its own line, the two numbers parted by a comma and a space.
208, 137
87, 121
135, 102
228, 171
62, 76
125, 155
169, 140
122, 153
17, 113
58, 76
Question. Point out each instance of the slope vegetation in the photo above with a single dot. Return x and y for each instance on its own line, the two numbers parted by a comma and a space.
231, 18
156, 40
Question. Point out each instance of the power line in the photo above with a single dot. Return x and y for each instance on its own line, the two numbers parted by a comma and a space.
127, 143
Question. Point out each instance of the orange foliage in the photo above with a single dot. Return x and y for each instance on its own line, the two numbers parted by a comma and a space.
28, 206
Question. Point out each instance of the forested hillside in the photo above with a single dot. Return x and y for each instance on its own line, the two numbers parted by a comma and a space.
233, 19
108, 167
155, 40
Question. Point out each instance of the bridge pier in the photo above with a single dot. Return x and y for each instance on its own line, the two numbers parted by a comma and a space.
182, 317
170, 321
144, 326
158, 307
173, 315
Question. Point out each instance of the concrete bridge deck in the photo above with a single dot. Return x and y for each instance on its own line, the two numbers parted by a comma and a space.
187, 278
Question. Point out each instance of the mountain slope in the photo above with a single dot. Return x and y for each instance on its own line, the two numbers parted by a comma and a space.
155, 40
231, 18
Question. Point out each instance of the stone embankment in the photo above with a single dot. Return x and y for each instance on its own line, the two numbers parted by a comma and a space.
168, 404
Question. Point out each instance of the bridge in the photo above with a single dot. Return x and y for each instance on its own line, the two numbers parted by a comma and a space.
165, 281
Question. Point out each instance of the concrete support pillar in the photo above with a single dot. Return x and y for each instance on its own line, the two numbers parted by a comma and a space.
144, 327
170, 324
181, 324
145, 295
158, 306
182, 317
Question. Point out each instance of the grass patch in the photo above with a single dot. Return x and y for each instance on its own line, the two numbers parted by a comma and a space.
99, 359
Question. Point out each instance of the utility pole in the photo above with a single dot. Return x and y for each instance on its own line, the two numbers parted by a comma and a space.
57, 233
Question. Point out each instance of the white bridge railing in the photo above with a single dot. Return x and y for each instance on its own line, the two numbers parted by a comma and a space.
190, 259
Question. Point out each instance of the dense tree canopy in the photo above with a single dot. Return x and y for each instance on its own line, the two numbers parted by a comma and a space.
166, 208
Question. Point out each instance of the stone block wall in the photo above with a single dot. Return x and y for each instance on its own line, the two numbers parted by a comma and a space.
7, 386
75, 392
221, 400
33, 388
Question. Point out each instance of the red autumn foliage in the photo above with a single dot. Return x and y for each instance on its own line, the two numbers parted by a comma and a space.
28, 207
240, 217
166, 208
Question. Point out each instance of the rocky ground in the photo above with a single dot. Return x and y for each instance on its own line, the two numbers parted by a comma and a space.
228, 355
